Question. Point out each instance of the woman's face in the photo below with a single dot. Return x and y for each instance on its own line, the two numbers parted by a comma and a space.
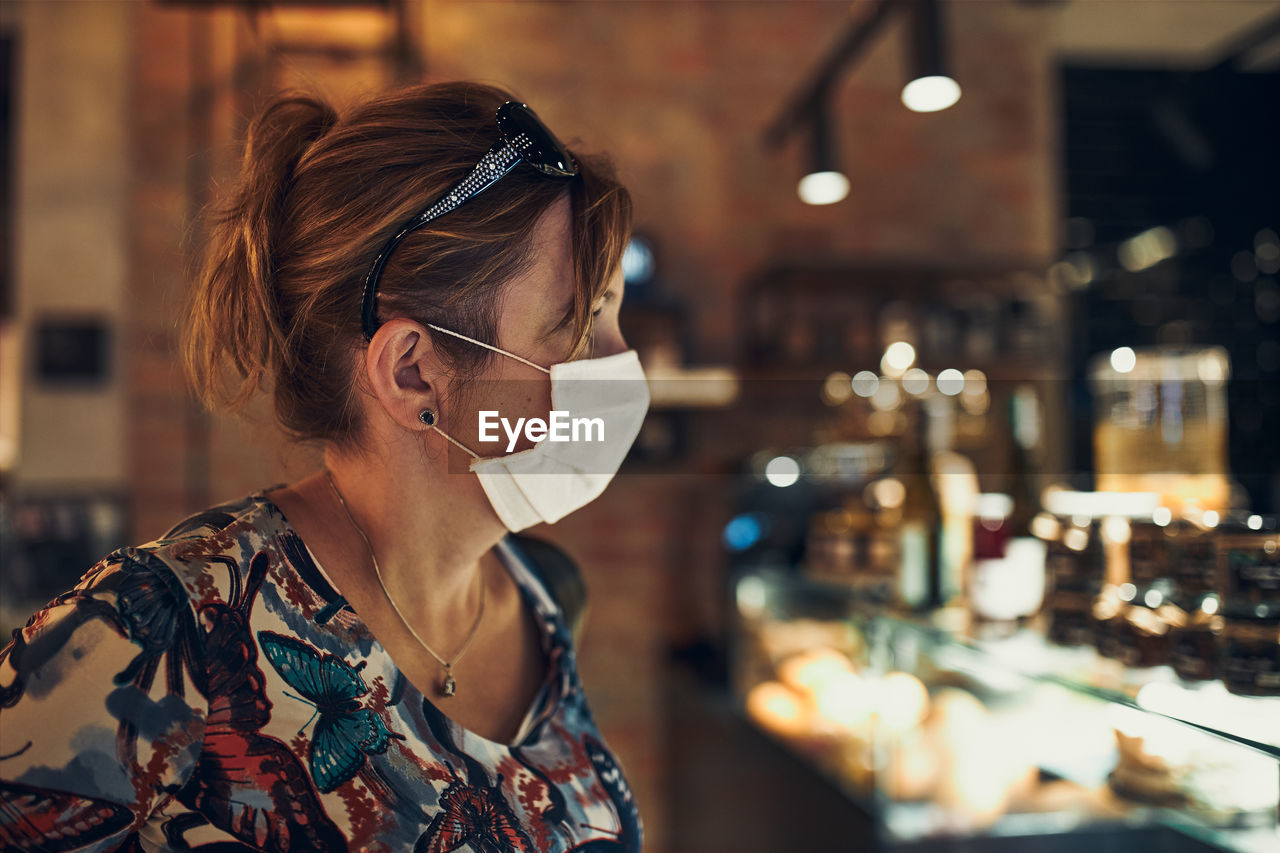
529, 325
533, 304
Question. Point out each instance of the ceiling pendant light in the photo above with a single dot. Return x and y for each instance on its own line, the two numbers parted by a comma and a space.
824, 183
931, 87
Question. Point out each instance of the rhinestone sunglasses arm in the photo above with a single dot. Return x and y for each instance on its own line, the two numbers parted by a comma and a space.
499, 160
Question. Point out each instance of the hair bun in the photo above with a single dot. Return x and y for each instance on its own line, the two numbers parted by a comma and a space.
277, 140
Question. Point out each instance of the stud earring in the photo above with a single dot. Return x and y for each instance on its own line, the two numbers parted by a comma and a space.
427, 416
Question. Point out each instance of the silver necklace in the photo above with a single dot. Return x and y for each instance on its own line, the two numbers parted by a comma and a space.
448, 686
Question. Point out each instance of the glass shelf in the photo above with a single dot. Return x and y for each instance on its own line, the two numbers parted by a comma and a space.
1253, 721
943, 734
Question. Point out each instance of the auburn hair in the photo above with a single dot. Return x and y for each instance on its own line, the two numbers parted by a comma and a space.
277, 300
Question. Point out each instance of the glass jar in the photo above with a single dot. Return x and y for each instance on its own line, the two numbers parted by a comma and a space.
1137, 625
1196, 644
1248, 562
1074, 558
1161, 424
1073, 571
1193, 555
1251, 650
1150, 551
1073, 568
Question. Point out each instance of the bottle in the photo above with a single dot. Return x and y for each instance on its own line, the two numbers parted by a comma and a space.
1005, 581
991, 580
955, 485
1025, 552
919, 578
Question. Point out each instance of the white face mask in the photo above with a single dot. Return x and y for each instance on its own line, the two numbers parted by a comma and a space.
553, 478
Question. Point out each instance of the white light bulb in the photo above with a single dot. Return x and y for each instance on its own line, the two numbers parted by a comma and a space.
898, 357
782, 471
1123, 360
823, 187
865, 383
950, 382
930, 94
915, 382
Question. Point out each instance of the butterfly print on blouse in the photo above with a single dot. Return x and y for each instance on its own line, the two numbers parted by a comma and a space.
151, 609
29, 818
336, 608
615, 784
28, 657
475, 815
215, 519
156, 611
238, 764
345, 733
471, 809
556, 814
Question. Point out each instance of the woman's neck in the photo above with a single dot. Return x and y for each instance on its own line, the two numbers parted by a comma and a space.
429, 530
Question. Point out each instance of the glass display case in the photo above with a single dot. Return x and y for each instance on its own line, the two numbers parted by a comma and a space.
939, 734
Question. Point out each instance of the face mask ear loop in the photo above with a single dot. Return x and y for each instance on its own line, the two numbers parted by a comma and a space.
489, 347
456, 443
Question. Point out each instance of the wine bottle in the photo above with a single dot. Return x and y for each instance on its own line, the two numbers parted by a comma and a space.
1025, 552
919, 577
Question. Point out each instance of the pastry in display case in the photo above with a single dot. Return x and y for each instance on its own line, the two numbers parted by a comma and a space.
941, 735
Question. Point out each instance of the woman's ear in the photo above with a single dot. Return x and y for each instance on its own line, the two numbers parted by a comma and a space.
403, 371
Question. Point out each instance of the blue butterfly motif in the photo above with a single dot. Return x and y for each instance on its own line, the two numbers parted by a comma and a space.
345, 732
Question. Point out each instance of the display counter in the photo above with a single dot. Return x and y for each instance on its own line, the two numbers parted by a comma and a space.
941, 735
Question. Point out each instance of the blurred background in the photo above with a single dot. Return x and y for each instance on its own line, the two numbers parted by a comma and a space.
952, 525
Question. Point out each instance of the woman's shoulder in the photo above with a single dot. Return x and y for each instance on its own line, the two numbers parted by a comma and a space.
203, 552
119, 673
252, 507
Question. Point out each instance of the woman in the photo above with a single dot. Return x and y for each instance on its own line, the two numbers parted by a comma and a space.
365, 658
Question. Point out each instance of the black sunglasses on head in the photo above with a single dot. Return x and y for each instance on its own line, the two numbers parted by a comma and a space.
522, 137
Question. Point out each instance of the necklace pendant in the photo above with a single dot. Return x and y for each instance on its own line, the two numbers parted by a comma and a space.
448, 686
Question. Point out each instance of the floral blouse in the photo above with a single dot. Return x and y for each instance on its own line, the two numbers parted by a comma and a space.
211, 690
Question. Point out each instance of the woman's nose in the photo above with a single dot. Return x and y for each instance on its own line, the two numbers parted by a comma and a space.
608, 342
